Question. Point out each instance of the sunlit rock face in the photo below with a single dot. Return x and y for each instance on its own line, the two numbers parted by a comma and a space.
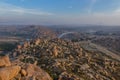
36, 72
55, 51
18, 70
4, 61
9, 73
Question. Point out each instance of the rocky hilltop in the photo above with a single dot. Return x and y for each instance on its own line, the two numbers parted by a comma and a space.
18, 70
62, 60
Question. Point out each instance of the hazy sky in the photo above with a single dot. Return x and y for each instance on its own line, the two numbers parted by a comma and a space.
103, 12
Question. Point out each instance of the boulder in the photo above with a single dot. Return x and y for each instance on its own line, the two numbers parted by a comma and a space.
36, 72
37, 42
8, 73
55, 51
4, 61
23, 72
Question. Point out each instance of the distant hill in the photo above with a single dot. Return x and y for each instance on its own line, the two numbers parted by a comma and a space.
26, 31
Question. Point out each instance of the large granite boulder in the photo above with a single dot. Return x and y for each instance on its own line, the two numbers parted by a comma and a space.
4, 61
8, 73
36, 72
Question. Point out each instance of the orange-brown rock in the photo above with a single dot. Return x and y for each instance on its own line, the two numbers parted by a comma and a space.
8, 73
23, 72
4, 61
37, 73
37, 41
55, 51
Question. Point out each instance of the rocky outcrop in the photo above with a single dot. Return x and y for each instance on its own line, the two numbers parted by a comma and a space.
37, 42
66, 60
55, 51
8, 73
36, 72
4, 61
21, 71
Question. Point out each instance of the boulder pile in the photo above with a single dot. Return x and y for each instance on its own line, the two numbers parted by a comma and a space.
21, 71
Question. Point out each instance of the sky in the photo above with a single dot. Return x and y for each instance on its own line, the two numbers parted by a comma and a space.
60, 12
